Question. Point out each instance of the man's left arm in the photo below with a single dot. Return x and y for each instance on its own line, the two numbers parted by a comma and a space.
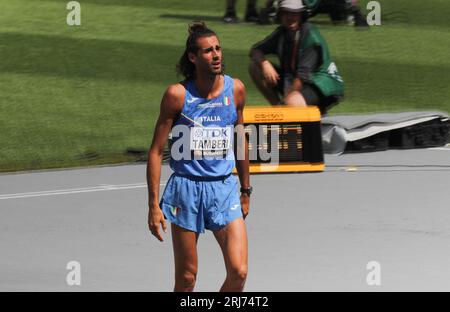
241, 153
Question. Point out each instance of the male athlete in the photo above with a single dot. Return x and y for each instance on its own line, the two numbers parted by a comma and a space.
201, 193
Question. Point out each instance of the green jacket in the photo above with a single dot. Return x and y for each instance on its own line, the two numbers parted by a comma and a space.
311, 4
326, 77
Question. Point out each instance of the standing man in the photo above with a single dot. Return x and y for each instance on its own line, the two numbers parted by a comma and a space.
201, 193
251, 14
338, 10
307, 75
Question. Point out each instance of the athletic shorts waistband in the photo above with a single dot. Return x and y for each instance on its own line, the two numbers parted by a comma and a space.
197, 178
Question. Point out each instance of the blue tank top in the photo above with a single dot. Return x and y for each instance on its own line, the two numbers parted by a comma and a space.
210, 125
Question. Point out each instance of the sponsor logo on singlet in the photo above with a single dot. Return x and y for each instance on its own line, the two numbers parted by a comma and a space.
211, 138
214, 104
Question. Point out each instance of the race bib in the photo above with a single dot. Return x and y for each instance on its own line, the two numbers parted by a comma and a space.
211, 138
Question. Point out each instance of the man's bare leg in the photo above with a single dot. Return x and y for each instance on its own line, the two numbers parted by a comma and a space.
186, 260
231, 4
294, 98
233, 242
269, 93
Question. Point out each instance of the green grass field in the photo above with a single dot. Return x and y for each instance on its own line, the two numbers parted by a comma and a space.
82, 95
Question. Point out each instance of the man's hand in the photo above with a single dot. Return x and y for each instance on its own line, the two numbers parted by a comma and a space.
245, 204
155, 218
270, 74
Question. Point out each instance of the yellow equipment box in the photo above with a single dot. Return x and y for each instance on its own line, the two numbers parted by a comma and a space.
299, 139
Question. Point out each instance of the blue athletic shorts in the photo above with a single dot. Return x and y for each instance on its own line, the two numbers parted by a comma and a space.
196, 204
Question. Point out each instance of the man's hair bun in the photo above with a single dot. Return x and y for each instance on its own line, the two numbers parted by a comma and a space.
197, 26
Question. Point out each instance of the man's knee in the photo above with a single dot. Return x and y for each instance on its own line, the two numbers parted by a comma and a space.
295, 98
238, 274
187, 279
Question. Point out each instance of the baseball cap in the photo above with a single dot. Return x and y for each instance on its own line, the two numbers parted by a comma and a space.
291, 5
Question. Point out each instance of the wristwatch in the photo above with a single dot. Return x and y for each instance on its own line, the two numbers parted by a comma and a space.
247, 190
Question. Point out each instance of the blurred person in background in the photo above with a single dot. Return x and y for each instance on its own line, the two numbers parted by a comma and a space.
306, 75
251, 14
338, 10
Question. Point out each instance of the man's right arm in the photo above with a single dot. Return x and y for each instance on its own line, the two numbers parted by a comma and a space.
267, 46
171, 106
257, 54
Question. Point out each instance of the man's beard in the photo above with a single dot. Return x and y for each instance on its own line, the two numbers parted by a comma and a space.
221, 71
213, 72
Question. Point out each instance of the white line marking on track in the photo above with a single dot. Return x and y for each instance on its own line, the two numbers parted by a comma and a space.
440, 149
100, 188
446, 147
